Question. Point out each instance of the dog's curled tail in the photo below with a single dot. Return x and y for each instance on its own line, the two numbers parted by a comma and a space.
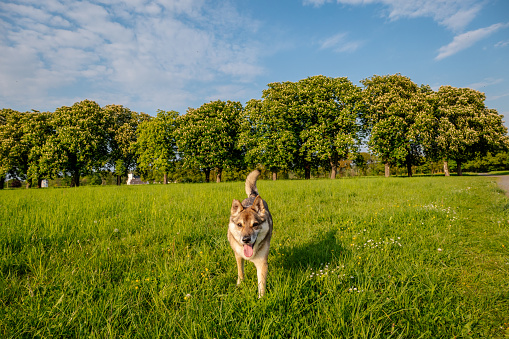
251, 189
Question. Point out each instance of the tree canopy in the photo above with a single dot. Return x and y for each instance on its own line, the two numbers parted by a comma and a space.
395, 105
332, 106
155, 145
315, 123
207, 137
302, 124
465, 127
79, 142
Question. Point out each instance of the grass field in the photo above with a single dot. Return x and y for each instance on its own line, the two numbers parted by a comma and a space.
353, 258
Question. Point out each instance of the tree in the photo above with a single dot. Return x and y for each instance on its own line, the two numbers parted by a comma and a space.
79, 144
267, 136
155, 145
273, 132
394, 106
207, 137
303, 124
465, 127
37, 129
13, 153
122, 133
331, 106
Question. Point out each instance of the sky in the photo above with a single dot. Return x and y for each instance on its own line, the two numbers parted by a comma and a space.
174, 54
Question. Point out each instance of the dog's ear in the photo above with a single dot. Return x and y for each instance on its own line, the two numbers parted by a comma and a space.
236, 207
258, 206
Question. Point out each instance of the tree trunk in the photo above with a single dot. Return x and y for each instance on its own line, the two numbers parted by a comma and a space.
28, 184
274, 175
307, 171
165, 179
446, 168
334, 167
39, 182
458, 168
75, 179
2, 182
119, 180
218, 175
409, 168
333, 171
207, 174
387, 170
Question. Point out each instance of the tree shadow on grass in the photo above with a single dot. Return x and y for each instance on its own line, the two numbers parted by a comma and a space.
324, 249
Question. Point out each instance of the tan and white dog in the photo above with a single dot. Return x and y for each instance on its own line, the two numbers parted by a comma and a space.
249, 232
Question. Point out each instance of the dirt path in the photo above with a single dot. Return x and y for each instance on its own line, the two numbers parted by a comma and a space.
502, 181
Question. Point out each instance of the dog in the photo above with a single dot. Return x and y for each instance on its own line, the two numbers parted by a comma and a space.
250, 231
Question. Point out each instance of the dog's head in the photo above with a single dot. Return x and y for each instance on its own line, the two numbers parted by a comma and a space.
247, 223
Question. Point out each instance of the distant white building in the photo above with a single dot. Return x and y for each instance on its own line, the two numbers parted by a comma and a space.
44, 183
135, 180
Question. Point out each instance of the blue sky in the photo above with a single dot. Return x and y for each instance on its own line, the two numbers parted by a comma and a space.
175, 54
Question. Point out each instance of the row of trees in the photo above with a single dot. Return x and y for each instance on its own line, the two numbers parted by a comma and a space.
315, 122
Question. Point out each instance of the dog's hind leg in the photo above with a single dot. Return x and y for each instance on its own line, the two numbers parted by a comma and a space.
240, 268
261, 271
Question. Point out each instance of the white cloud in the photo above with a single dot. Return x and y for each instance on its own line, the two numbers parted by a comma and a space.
485, 83
339, 43
453, 14
316, 3
496, 97
502, 43
467, 39
147, 50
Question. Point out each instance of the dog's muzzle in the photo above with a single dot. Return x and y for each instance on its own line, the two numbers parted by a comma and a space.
248, 246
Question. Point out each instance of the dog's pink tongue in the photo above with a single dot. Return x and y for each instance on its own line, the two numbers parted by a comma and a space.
248, 250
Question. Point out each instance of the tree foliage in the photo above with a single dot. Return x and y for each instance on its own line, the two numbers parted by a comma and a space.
37, 128
207, 137
13, 152
464, 127
267, 135
79, 142
312, 124
122, 134
302, 124
331, 106
155, 145
397, 111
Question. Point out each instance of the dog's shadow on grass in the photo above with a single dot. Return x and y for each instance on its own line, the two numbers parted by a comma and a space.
325, 249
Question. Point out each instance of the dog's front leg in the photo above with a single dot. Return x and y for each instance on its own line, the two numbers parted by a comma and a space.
240, 268
261, 271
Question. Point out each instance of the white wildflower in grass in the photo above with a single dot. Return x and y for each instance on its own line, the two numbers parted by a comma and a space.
381, 243
355, 290
325, 270
440, 208
188, 296
439, 250
115, 230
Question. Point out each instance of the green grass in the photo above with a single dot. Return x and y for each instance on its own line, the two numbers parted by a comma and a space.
353, 258
499, 173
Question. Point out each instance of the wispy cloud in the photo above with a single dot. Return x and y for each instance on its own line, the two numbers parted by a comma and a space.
495, 97
453, 14
502, 44
485, 83
340, 44
467, 39
148, 49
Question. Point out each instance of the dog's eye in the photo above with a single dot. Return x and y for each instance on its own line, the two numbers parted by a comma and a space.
255, 224
239, 224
